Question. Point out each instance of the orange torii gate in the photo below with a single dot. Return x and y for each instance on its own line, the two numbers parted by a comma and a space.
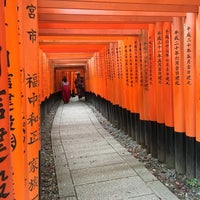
167, 86
148, 78
19, 79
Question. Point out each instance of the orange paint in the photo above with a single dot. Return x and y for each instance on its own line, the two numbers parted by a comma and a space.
197, 97
120, 74
92, 26
58, 75
48, 77
61, 48
102, 72
88, 75
127, 72
31, 84
189, 73
141, 77
145, 77
167, 75
12, 42
72, 80
40, 75
114, 74
136, 70
46, 74
108, 73
5, 154
130, 72
96, 66
51, 77
23, 95
177, 74
152, 73
159, 71
128, 78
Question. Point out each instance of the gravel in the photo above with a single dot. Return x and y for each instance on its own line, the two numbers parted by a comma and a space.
48, 182
183, 188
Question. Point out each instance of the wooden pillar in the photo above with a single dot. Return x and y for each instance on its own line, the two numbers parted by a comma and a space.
159, 90
152, 89
145, 91
197, 98
168, 94
178, 93
31, 87
136, 88
189, 90
140, 89
14, 85
6, 191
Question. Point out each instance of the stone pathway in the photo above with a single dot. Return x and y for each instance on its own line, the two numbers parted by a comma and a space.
92, 165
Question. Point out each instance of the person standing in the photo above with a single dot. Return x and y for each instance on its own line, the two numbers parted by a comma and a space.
79, 84
65, 90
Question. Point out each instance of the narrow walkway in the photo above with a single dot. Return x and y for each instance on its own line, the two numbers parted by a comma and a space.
92, 165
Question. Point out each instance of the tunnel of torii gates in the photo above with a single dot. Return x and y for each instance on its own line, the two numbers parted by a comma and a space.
147, 83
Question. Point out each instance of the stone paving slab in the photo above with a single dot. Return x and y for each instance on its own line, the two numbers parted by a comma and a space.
83, 128
90, 152
86, 148
105, 134
118, 189
57, 149
56, 142
68, 198
144, 173
160, 190
65, 185
94, 161
139, 168
103, 173
60, 159
82, 143
92, 165
81, 135
145, 197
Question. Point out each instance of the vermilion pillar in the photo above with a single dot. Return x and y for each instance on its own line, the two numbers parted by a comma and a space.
178, 92
14, 85
152, 89
197, 98
189, 90
136, 53
159, 90
145, 91
31, 85
168, 94
6, 188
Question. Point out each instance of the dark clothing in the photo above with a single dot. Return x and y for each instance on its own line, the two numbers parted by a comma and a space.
79, 83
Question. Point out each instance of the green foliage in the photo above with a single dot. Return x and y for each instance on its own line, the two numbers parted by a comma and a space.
193, 183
